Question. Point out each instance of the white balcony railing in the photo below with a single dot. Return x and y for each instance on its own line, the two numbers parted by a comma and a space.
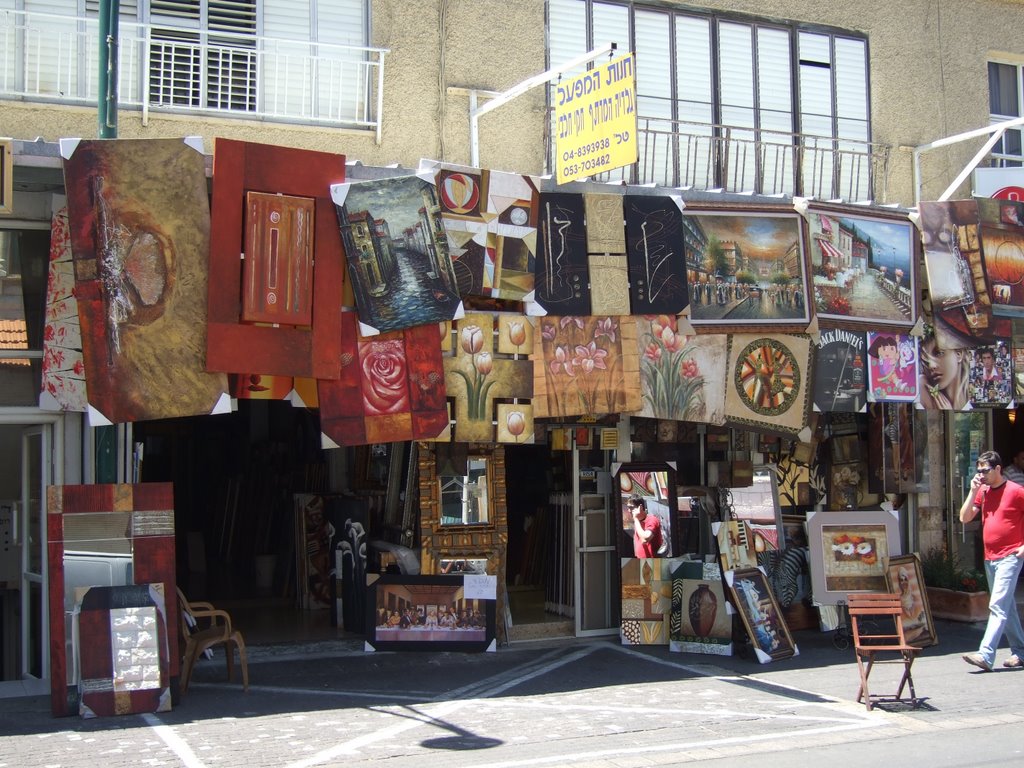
735, 159
46, 57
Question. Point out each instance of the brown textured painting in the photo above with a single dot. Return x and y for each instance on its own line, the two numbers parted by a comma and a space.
140, 233
587, 365
768, 381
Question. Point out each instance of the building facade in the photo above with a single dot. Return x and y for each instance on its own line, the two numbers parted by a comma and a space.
777, 100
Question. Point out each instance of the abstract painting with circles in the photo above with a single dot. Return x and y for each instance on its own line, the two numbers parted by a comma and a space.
768, 381
490, 220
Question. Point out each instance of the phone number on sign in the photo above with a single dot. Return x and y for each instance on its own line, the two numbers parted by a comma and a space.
586, 149
590, 164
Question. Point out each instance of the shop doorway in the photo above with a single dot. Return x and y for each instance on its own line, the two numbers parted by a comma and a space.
31, 457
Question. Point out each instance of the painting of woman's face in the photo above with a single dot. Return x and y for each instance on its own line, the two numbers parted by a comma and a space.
941, 366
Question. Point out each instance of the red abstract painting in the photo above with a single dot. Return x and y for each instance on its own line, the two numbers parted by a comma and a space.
275, 311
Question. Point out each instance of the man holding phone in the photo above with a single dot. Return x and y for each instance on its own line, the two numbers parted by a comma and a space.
1000, 503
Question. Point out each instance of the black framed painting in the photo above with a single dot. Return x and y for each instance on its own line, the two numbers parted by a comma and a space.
455, 612
653, 483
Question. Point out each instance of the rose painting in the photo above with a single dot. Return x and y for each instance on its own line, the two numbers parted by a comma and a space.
391, 387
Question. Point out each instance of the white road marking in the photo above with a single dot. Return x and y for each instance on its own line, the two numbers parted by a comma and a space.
174, 741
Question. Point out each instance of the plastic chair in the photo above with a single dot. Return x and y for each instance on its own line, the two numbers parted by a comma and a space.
877, 624
205, 627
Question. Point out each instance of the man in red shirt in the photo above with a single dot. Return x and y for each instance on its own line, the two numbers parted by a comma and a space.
646, 528
1001, 505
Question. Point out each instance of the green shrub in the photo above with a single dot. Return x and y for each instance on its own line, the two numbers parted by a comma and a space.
940, 569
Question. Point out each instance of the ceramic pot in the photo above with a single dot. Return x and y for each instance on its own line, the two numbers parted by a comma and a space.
702, 610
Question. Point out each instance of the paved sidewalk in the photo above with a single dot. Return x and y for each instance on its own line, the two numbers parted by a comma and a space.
581, 702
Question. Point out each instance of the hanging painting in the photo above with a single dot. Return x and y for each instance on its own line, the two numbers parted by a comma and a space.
945, 375
397, 253
954, 226
864, 268
655, 255
849, 551
700, 621
605, 230
1002, 244
587, 365
745, 267
892, 367
562, 282
139, 219
275, 311
63, 378
680, 376
489, 376
490, 220
992, 375
646, 600
891, 439
840, 382
390, 388
768, 381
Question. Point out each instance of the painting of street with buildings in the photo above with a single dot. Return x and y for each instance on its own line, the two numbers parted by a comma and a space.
863, 268
397, 252
745, 268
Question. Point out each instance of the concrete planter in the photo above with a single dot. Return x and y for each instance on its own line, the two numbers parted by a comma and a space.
958, 606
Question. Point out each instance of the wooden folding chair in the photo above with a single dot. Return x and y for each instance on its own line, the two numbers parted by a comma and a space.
203, 627
877, 624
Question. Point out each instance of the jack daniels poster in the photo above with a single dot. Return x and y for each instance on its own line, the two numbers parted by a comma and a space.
839, 372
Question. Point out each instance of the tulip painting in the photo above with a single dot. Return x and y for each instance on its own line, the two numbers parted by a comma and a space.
488, 374
677, 371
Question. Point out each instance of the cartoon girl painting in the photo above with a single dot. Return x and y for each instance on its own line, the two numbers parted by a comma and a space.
892, 367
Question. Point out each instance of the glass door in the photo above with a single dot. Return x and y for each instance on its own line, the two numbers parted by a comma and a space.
597, 560
35, 476
970, 434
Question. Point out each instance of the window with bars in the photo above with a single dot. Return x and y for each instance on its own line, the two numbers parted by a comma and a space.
1004, 103
739, 95
203, 54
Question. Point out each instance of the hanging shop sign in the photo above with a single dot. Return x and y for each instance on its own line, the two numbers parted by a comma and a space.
595, 121
1001, 183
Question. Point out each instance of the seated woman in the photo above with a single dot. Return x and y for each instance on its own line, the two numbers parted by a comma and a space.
431, 622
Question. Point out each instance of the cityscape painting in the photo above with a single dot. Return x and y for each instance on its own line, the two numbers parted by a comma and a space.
863, 268
397, 253
745, 267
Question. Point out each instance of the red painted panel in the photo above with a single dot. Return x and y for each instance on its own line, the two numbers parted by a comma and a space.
241, 167
278, 272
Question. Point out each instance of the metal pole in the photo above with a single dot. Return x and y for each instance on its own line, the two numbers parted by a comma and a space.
106, 95
475, 113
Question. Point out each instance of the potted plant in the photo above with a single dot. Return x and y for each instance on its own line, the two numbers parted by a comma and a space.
954, 592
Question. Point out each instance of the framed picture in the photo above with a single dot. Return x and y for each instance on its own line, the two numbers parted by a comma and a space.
655, 484
864, 268
849, 550
757, 505
760, 614
431, 613
903, 575
745, 267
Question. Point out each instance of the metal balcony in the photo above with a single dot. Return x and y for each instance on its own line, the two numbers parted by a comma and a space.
47, 57
706, 156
